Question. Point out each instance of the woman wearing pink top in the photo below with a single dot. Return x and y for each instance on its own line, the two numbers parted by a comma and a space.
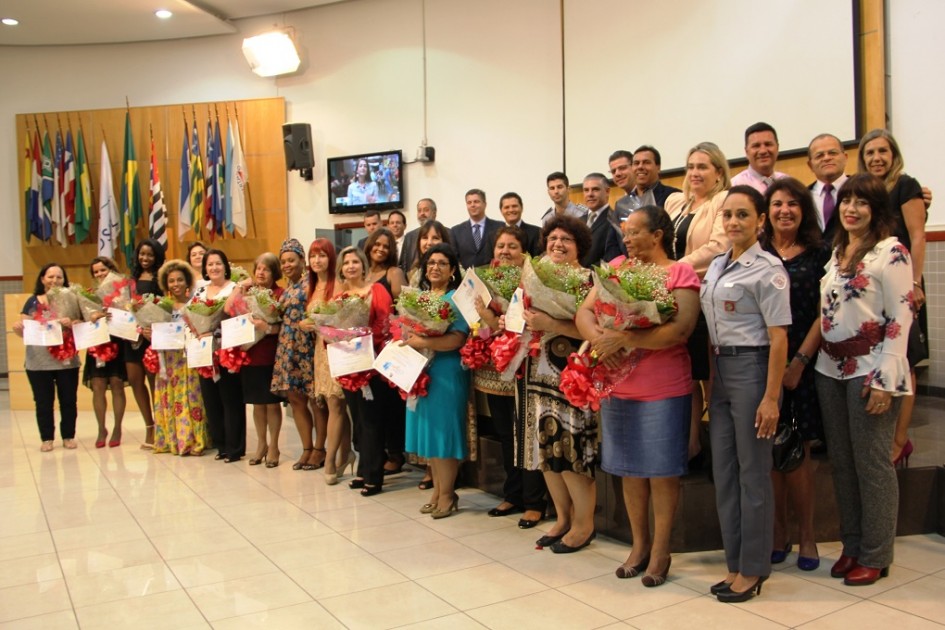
645, 422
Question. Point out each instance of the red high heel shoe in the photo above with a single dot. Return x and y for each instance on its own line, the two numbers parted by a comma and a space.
101, 443
903, 460
843, 566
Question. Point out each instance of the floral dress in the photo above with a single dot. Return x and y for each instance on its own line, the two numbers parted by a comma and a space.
180, 425
294, 370
875, 304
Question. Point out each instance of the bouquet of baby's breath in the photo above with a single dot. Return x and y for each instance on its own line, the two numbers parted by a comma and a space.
501, 280
632, 295
556, 289
347, 310
264, 305
89, 301
424, 312
204, 315
64, 303
148, 310
238, 274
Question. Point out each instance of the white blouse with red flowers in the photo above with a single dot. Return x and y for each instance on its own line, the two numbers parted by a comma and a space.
875, 303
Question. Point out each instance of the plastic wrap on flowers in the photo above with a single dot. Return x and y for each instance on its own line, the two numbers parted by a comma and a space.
151, 360
103, 353
116, 291
586, 381
632, 295
64, 303
508, 351
330, 334
233, 359
354, 382
66, 350
204, 315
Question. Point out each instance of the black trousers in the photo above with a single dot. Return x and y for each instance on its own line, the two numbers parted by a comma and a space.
226, 413
395, 422
523, 488
45, 385
372, 420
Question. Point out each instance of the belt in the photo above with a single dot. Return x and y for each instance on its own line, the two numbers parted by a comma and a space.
734, 351
857, 346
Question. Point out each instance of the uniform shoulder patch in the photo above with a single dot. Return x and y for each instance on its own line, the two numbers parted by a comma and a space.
779, 281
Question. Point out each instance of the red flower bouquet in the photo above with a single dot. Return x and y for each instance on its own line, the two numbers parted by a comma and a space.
103, 353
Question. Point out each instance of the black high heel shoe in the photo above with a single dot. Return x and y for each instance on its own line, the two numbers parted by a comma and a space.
735, 597
720, 587
370, 491
625, 571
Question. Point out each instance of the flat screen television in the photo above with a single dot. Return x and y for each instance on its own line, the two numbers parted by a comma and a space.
370, 181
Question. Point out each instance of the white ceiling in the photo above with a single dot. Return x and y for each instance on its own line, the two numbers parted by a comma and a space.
69, 22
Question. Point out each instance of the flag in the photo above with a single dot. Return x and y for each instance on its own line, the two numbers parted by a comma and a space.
236, 178
67, 198
58, 214
130, 195
108, 225
196, 182
48, 189
217, 174
210, 199
83, 192
184, 217
157, 219
39, 226
27, 191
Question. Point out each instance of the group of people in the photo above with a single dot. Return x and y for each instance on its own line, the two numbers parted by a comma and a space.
794, 305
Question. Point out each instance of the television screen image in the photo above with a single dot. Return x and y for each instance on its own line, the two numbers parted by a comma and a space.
371, 181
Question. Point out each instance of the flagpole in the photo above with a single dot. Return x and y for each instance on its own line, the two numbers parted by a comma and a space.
248, 196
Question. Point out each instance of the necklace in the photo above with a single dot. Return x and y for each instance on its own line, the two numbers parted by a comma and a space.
781, 250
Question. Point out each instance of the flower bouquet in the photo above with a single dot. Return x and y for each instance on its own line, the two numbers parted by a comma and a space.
342, 318
152, 309
89, 301
116, 291
64, 351
476, 353
233, 359
204, 315
103, 353
556, 289
261, 304
424, 314
501, 280
64, 303
238, 274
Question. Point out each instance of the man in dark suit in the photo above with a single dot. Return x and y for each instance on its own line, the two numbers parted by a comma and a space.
510, 205
426, 211
372, 221
827, 161
638, 174
472, 238
606, 241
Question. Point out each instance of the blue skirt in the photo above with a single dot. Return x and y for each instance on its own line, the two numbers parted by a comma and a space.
645, 439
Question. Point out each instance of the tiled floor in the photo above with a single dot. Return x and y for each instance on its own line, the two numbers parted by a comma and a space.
121, 538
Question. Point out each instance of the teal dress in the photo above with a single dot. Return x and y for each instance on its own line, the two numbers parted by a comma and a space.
437, 426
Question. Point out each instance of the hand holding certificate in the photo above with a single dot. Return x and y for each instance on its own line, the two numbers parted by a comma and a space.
42, 333
89, 334
199, 352
400, 364
168, 336
122, 324
465, 296
237, 331
349, 357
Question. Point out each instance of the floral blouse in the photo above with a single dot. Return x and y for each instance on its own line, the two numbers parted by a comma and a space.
875, 303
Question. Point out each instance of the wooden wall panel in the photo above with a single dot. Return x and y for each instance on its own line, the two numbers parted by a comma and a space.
260, 122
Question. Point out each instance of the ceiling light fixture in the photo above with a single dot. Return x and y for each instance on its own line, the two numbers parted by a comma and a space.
163, 14
271, 54
10, 21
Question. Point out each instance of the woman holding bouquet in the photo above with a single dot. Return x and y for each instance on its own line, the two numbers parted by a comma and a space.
110, 376
645, 421
381, 252
256, 377
47, 375
371, 416
436, 427
222, 393
561, 440
330, 410
698, 238
431, 233
179, 418
523, 489
791, 233
293, 372
746, 301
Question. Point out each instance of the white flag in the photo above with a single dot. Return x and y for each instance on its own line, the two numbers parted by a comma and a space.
108, 226
236, 179
58, 211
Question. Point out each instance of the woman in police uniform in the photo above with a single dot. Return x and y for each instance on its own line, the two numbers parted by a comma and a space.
746, 300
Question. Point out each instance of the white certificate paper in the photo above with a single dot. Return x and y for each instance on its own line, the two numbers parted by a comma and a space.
168, 335
514, 320
400, 364
465, 296
348, 357
122, 324
41, 334
199, 352
236, 331
88, 334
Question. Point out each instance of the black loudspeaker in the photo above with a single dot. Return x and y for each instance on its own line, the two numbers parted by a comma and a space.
297, 139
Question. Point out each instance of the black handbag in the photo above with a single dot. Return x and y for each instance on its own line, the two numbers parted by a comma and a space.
788, 449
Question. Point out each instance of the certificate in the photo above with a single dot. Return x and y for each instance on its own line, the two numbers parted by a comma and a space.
348, 357
88, 334
122, 324
514, 321
199, 352
236, 331
466, 293
168, 335
41, 333
400, 364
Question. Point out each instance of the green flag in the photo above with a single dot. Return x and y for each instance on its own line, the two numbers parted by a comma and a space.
130, 196
83, 193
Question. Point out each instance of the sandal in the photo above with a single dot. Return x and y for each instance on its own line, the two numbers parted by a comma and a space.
303, 461
320, 464
426, 484
256, 461
47, 446
148, 438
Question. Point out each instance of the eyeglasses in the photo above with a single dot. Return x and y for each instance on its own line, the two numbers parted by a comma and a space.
560, 239
442, 264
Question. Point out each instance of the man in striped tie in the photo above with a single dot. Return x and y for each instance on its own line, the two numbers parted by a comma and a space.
473, 239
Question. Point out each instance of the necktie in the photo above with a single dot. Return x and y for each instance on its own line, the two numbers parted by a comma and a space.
591, 216
829, 203
477, 235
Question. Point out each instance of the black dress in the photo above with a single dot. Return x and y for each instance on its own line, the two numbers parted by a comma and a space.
905, 190
134, 351
805, 270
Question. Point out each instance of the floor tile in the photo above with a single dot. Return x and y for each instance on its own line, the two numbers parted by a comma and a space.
211, 568
868, 614
62, 620
341, 577
84, 561
29, 570
25, 545
173, 546
29, 600
298, 617
534, 612
311, 552
403, 604
173, 609
96, 535
129, 582
246, 595
481, 586
627, 598
555, 569
922, 553
433, 559
705, 613
922, 598
457, 621
393, 536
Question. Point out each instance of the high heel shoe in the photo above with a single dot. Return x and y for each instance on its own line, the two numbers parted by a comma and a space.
780, 555
102, 441
720, 587
428, 508
864, 576
310, 466
114, 443
903, 460
454, 507
271, 463
352, 458
650, 580
303, 461
331, 479
356, 484
370, 491
626, 571
425, 484
256, 461
735, 597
